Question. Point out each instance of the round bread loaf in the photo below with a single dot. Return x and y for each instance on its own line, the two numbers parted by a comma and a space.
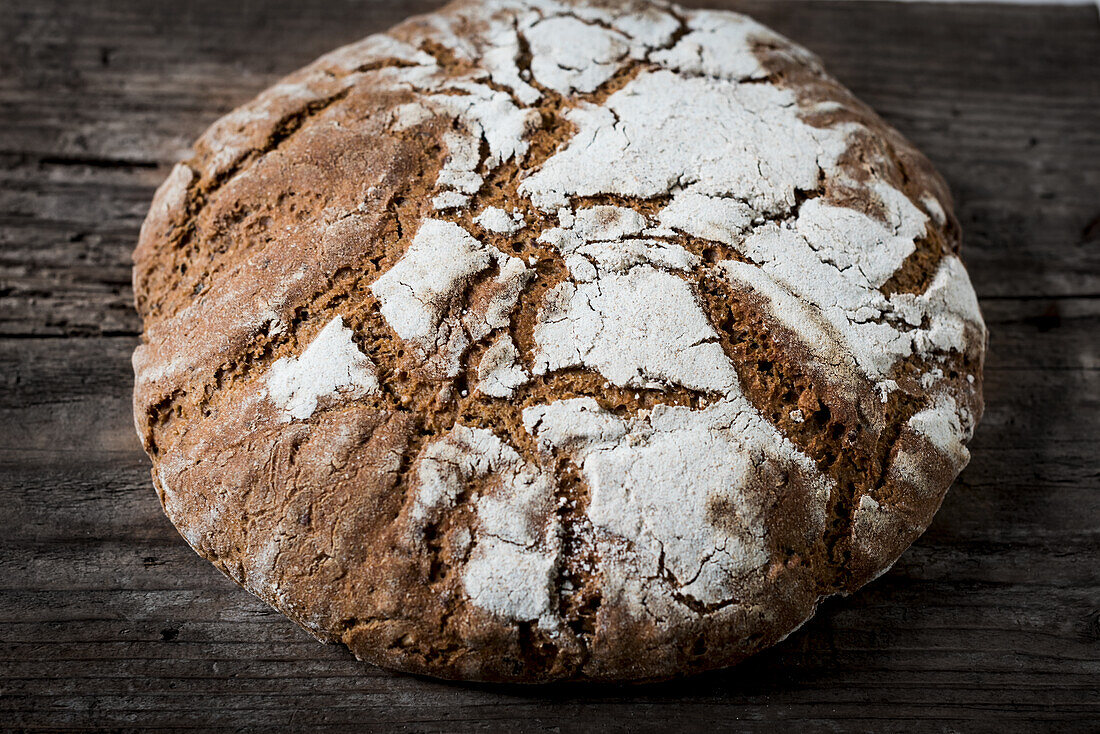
535, 340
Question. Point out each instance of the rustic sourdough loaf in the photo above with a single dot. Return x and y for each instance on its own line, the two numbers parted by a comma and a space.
535, 340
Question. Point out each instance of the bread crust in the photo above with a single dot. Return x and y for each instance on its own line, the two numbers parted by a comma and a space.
537, 341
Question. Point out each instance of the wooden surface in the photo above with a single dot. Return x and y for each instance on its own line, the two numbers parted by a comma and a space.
991, 622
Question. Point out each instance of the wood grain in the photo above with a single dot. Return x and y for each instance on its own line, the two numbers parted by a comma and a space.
991, 622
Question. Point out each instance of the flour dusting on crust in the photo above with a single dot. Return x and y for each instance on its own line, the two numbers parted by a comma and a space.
499, 373
680, 484
331, 366
660, 338
419, 294
509, 571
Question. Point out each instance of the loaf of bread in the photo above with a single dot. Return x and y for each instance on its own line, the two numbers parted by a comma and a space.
537, 340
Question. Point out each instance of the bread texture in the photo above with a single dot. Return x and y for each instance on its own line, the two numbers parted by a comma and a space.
535, 340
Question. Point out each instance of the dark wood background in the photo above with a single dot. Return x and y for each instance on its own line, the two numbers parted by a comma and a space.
991, 622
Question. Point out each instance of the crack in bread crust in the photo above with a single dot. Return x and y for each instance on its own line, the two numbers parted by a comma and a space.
650, 307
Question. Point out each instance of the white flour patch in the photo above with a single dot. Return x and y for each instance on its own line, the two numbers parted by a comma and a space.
678, 484
622, 314
499, 372
940, 424
663, 133
418, 295
332, 366
512, 277
719, 45
831, 354
644, 328
569, 55
495, 219
609, 238
709, 217
515, 542
511, 581
950, 307
607, 223
484, 115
